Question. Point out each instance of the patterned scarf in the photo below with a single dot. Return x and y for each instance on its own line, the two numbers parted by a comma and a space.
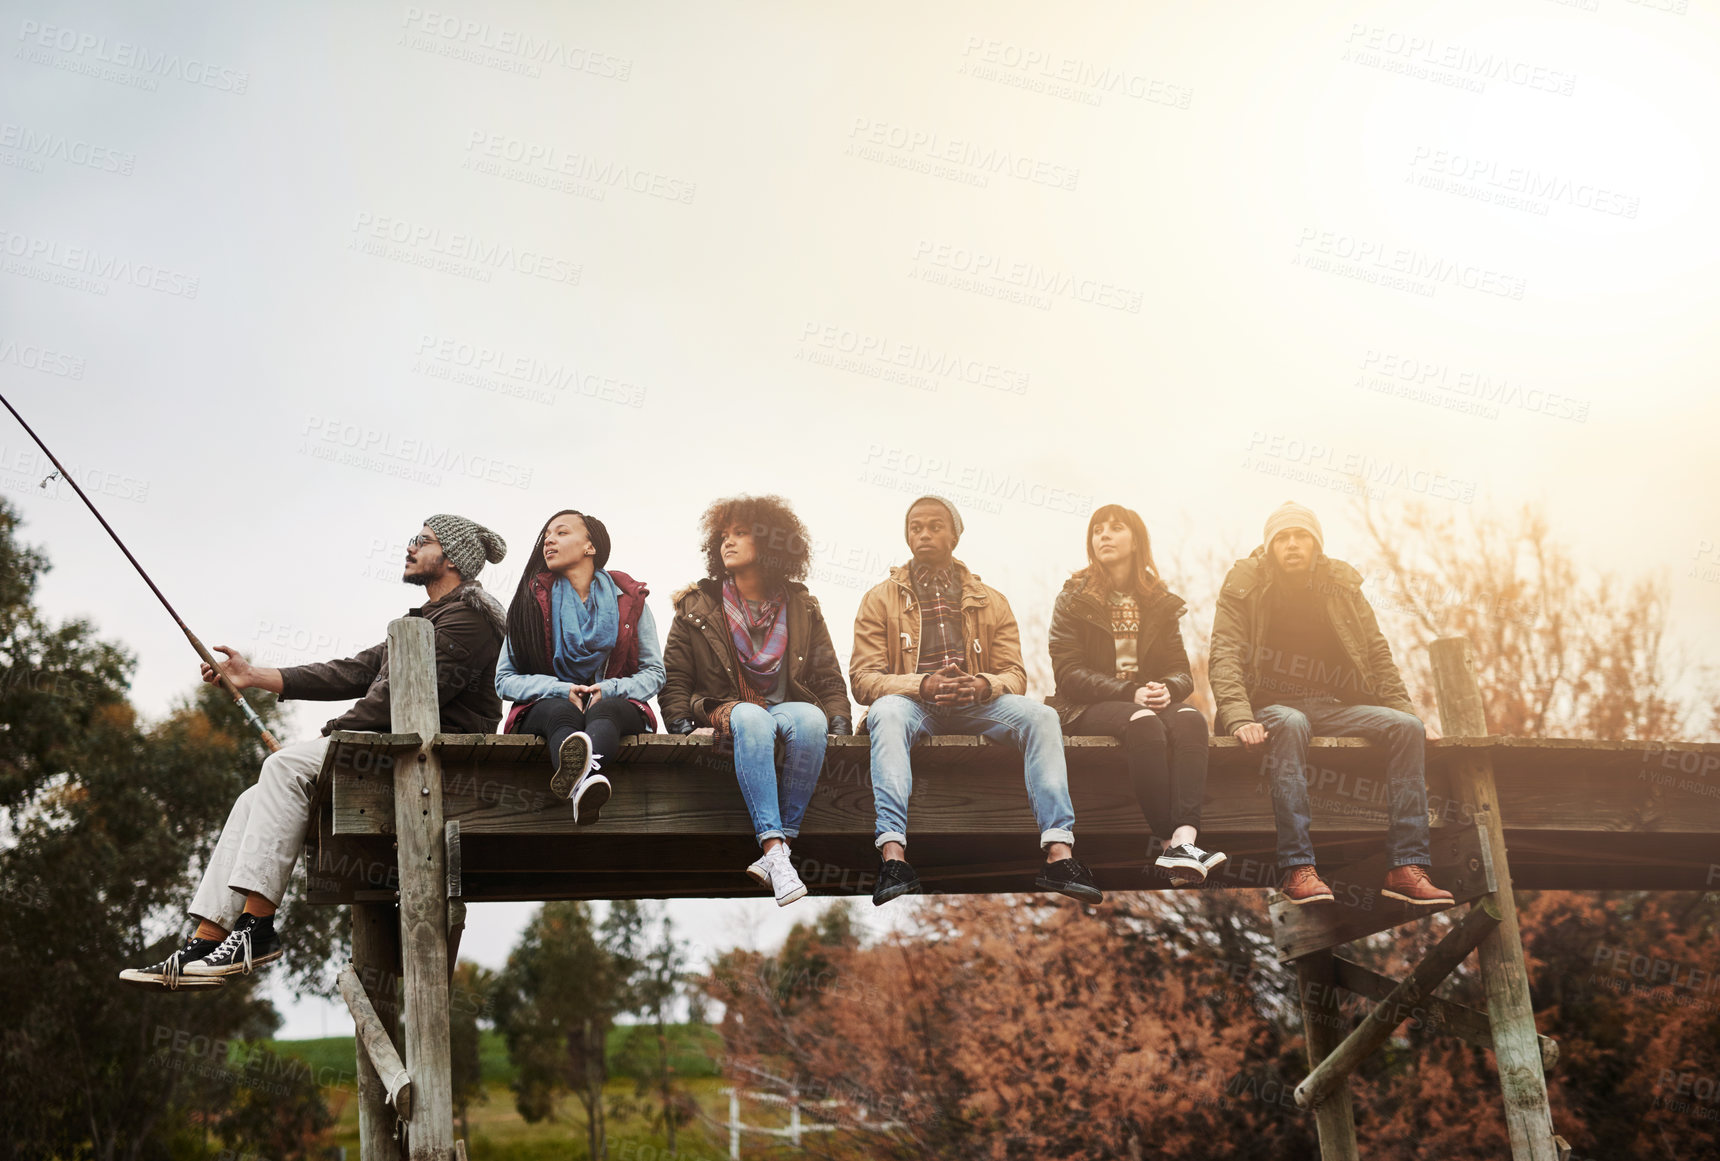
760, 665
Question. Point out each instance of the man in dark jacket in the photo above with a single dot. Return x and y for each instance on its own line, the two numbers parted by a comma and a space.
248, 872
1297, 651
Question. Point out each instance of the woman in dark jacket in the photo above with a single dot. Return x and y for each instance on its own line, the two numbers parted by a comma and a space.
581, 659
1122, 671
749, 659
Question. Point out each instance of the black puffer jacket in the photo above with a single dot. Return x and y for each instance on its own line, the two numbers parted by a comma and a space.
1084, 653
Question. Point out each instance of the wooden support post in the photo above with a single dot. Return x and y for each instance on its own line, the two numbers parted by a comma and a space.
413, 708
373, 958
1322, 1027
377, 1044
1398, 1005
1504, 974
456, 905
1453, 1019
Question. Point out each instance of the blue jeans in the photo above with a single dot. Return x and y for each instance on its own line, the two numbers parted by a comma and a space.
1288, 728
802, 728
896, 722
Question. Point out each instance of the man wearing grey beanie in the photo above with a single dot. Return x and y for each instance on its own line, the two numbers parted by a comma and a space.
1298, 653
938, 652
247, 873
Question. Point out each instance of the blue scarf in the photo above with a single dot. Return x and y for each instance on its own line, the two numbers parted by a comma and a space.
584, 632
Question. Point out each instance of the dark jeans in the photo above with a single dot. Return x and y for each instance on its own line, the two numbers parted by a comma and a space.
554, 718
1166, 754
1289, 726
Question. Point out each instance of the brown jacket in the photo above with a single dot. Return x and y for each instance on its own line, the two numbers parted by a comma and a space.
1239, 628
469, 625
701, 670
887, 639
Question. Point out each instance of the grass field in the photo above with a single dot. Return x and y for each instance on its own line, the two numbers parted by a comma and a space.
499, 1133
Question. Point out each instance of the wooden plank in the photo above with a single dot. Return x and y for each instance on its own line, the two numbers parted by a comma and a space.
374, 939
1335, 1067
1445, 1016
1323, 1030
418, 827
1504, 974
1461, 864
378, 1046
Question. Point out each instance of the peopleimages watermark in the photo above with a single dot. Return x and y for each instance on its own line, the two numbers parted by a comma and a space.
1289, 456
1516, 187
513, 373
1067, 77
1463, 389
556, 169
27, 148
121, 61
86, 268
971, 484
1427, 58
1016, 280
506, 49
1398, 267
335, 440
912, 364
41, 359
938, 155
454, 252
26, 469
1707, 550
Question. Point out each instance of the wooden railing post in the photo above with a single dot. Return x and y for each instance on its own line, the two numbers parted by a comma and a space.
418, 829
373, 960
1504, 974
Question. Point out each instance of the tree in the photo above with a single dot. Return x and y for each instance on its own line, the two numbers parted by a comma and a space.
555, 1002
106, 819
659, 980
472, 997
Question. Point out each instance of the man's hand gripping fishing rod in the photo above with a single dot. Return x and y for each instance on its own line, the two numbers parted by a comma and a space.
220, 675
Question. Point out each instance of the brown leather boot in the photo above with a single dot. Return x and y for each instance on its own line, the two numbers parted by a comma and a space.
1302, 885
1411, 884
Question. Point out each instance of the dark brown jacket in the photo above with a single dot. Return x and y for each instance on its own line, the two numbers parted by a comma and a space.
1084, 650
470, 625
702, 670
1239, 629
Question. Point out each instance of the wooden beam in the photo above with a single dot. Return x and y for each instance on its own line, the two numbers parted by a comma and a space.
1323, 1029
1446, 1016
1398, 1005
1504, 973
375, 935
456, 905
1461, 864
377, 1044
414, 708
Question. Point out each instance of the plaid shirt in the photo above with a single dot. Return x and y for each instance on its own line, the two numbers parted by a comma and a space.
942, 636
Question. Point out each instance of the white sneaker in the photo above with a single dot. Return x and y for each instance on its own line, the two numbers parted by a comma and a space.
589, 797
775, 871
572, 764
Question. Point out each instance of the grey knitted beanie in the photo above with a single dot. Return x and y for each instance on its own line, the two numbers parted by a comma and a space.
1293, 515
466, 543
955, 517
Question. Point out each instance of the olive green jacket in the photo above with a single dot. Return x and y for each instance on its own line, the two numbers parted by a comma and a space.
1239, 627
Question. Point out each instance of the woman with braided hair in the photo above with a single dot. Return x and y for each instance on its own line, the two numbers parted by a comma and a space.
581, 659
750, 660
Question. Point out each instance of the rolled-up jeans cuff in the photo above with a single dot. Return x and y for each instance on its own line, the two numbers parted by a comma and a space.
1414, 861
890, 836
771, 834
1056, 834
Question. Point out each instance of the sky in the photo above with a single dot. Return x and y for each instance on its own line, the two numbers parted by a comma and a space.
276, 284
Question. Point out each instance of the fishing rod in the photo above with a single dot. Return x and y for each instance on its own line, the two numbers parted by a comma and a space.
208, 658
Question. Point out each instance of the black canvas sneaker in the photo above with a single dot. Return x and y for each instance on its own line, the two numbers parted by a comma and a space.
1186, 863
251, 944
170, 972
895, 878
1067, 877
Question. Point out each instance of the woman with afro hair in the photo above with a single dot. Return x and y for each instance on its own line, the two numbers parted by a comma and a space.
749, 659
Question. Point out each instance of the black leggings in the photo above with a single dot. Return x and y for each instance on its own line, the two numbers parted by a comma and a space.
1166, 753
554, 718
